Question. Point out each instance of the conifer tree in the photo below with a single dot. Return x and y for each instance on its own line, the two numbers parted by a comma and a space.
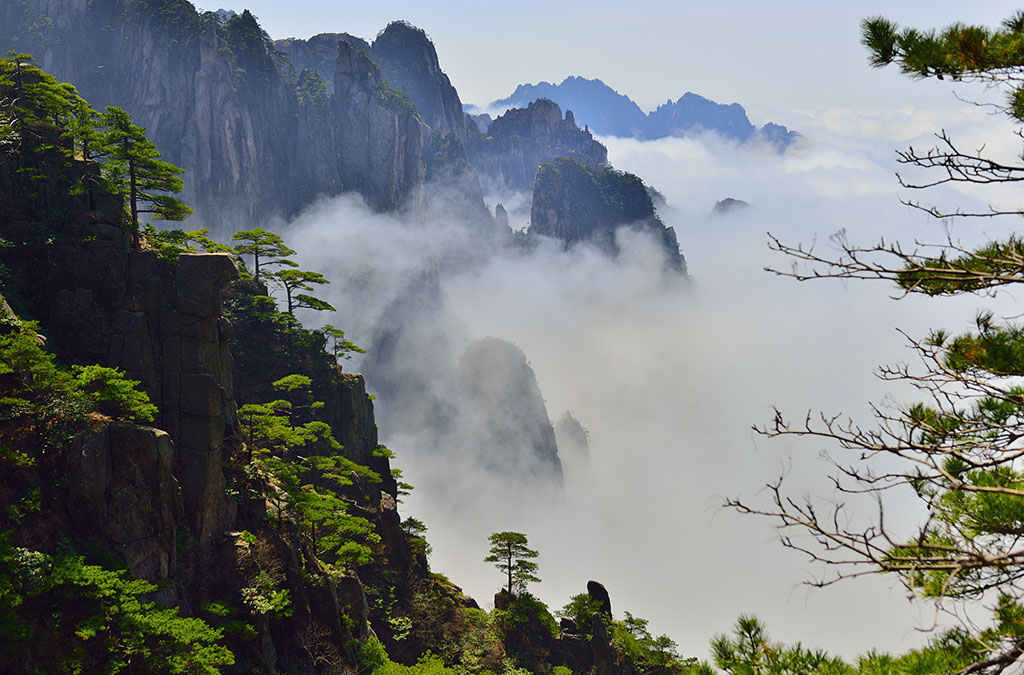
301, 280
30, 96
340, 348
266, 248
135, 167
511, 555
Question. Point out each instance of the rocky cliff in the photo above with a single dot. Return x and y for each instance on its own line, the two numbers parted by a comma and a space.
178, 503
576, 203
503, 408
220, 102
98, 301
381, 131
318, 53
573, 438
408, 60
248, 521
522, 139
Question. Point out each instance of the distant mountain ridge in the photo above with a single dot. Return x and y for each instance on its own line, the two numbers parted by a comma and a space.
608, 113
593, 102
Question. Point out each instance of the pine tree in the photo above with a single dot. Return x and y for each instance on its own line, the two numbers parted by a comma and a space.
340, 348
260, 243
134, 166
511, 555
958, 451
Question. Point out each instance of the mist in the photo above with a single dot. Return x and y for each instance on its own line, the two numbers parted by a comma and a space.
666, 374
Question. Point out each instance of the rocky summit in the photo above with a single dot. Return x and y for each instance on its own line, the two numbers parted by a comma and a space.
579, 204
523, 138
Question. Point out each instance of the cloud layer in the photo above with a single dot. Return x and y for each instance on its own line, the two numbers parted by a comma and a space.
668, 375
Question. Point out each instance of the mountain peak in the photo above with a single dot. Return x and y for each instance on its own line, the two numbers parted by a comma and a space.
607, 112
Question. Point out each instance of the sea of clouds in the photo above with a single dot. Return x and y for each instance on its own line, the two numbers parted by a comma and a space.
668, 374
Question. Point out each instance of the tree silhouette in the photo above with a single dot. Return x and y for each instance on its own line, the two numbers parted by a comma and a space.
260, 243
301, 280
511, 555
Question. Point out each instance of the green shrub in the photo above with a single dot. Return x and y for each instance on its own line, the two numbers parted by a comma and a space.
526, 618
114, 394
104, 624
43, 405
371, 655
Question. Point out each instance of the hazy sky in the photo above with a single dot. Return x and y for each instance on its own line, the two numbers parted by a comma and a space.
767, 56
669, 379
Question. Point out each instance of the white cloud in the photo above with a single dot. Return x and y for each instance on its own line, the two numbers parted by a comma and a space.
668, 377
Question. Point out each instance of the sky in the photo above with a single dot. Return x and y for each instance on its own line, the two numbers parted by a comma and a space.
668, 378
767, 56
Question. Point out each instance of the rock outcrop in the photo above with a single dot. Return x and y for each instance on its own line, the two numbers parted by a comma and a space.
319, 53
213, 98
503, 409
122, 489
597, 592
728, 205
576, 203
100, 302
167, 501
408, 60
523, 138
378, 135
573, 439
169, 335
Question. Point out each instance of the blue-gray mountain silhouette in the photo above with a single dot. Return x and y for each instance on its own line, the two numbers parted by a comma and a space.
607, 112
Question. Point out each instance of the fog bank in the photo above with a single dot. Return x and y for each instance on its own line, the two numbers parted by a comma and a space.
666, 374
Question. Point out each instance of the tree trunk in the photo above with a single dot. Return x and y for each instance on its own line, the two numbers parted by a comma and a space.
134, 199
510, 569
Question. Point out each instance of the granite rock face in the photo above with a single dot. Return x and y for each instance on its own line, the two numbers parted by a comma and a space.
408, 60
318, 53
98, 301
381, 141
122, 488
169, 335
523, 138
218, 103
576, 203
161, 501
503, 408
597, 591
573, 438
